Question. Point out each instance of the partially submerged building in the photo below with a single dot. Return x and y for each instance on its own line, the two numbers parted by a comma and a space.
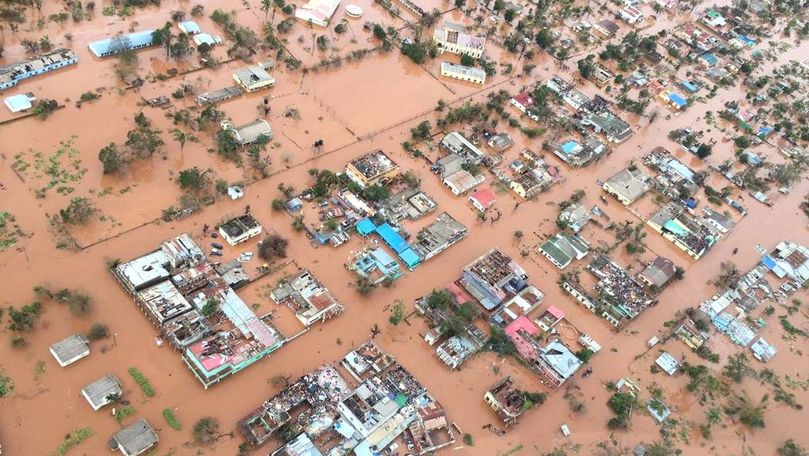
493, 278
581, 153
438, 236
456, 143
196, 311
371, 169
508, 402
554, 363
253, 78
251, 132
317, 12
676, 180
692, 234
618, 297
658, 273
70, 349
453, 173
463, 73
628, 184
385, 403
102, 391
307, 297
538, 176
461, 346
121, 43
134, 439
376, 265
12, 73
453, 38
562, 248
240, 229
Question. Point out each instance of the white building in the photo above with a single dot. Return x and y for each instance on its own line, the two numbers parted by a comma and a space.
631, 14
464, 73
240, 229
253, 78
453, 38
70, 349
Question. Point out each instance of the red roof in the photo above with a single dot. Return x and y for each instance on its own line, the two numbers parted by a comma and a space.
524, 346
556, 312
484, 197
524, 99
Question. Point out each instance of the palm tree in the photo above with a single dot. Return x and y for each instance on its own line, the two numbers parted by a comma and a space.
348, 24
266, 5
180, 137
314, 35
375, 331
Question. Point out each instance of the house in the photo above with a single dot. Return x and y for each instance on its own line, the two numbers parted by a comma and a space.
102, 391
462, 181
135, 439
438, 236
628, 185
249, 133
307, 297
453, 38
373, 168
120, 43
673, 99
708, 60
605, 122
189, 27
713, 18
575, 217
719, 221
464, 73
506, 401
525, 103
606, 28
631, 14
562, 248
500, 142
20, 102
317, 12
456, 143
550, 318
578, 154
492, 278
13, 73
762, 350
522, 303
70, 349
482, 199
668, 363
240, 229
554, 362
253, 78
377, 266
658, 273
530, 183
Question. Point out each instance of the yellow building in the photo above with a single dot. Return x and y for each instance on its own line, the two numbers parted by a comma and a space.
371, 169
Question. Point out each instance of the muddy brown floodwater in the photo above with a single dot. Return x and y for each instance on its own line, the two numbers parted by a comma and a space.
362, 105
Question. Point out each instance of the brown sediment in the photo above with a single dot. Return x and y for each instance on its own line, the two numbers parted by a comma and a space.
360, 106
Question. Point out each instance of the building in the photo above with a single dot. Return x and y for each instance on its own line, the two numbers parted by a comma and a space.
318, 12
522, 303
562, 248
668, 363
492, 278
464, 73
576, 217
457, 349
20, 102
120, 43
692, 234
453, 38
578, 154
713, 18
525, 103
135, 439
606, 28
534, 181
509, 403
13, 73
554, 362
628, 185
371, 169
218, 95
550, 318
673, 99
249, 133
307, 297
253, 78
482, 199
377, 266
658, 273
240, 229
189, 27
631, 14
607, 123
438, 236
70, 349
455, 177
455, 143
102, 391
500, 142
789, 260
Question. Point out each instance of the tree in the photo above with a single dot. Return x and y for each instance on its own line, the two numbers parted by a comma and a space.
210, 307
704, 150
180, 137
266, 6
6, 385
78, 212
110, 158
193, 179
181, 47
586, 67
79, 303
364, 286
421, 132
789, 448
499, 342
397, 312
509, 15
205, 430
162, 37
227, 146
273, 247
467, 60
376, 193
737, 367
97, 332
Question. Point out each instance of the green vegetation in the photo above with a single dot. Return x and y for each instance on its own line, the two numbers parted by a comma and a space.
499, 342
175, 424
142, 381
397, 312
97, 332
467, 440
6, 385
621, 404
737, 368
9, 231
73, 439
121, 413
791, 448
746, 411
25, 318
205, 430
790, 329
78, 212
272, 248
210, 306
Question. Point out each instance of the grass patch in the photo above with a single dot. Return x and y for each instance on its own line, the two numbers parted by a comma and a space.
142, 381
73, 439
467, 440
123, 412
175, 424
39, 370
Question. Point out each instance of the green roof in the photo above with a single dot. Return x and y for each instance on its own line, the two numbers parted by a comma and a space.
555, 252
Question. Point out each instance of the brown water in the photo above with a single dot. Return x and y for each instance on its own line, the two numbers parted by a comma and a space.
373, 96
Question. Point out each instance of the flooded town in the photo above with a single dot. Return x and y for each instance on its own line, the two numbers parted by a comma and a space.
404, 227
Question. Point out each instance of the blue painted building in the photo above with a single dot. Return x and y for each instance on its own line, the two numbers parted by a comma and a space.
120, 43
13, 73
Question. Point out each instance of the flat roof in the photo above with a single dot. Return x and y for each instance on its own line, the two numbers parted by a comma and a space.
70, 349
120, 43
19, 102
98, 392
136, 438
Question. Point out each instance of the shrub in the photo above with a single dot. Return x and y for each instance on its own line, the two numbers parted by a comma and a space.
273, 247
97, 332
205, 430
175, 424
142, 381
6, 385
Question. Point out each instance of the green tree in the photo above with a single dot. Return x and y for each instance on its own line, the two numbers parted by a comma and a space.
110, 158
205, 430
210, 307
467, 60
272, 248
78, 212
397, 312
193, 179
180, 137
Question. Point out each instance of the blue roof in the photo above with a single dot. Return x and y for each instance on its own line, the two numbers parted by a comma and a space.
392, 238
410, 258
569, 147
365, 226
687, 85
322, 238
189, 26
677, 99
114, 45
382, 257
768, 261
764, 131
709, 58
